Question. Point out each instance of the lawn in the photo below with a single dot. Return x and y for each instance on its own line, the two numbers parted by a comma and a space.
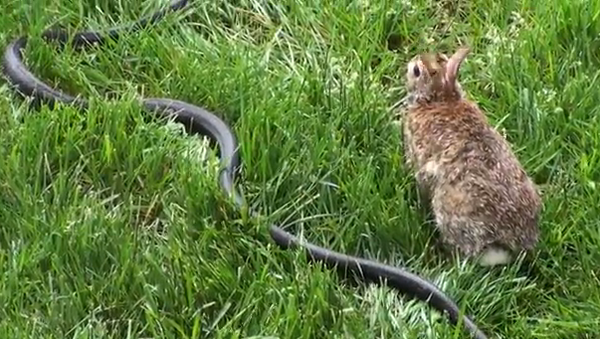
113, 226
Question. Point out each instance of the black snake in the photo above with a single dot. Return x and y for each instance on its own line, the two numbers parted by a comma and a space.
199, 120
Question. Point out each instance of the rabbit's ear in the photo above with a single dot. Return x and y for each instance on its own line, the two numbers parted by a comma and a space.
453, 64
442, 58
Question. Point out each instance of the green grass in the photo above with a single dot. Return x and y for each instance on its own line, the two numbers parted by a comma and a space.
111, 228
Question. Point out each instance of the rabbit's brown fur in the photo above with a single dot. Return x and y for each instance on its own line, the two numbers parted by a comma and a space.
482, 199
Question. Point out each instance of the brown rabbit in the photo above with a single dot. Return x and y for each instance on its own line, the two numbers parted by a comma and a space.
484, 203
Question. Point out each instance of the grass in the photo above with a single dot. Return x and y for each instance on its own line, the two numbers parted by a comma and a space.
112, 227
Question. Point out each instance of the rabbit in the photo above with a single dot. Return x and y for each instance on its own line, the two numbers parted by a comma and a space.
484, 203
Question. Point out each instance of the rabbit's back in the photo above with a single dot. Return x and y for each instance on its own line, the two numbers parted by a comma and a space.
479, 192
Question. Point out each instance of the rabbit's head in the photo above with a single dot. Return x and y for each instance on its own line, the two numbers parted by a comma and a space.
433, 77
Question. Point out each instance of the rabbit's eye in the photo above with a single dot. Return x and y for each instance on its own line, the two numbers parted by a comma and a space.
416, 71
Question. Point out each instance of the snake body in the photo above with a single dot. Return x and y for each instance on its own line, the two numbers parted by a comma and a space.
201, 121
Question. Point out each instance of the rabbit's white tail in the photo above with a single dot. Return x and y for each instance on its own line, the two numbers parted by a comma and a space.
494, 256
